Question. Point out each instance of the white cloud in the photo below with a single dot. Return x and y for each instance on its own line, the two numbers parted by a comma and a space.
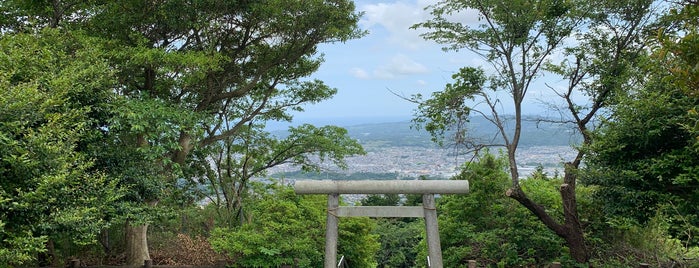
403, 65
400, 65
397, 18
469, 16
359, 73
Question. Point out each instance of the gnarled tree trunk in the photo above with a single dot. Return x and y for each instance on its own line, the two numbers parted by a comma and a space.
136, 235
570, 230
136, 243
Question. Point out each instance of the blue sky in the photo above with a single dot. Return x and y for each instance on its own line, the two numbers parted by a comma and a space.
392, 57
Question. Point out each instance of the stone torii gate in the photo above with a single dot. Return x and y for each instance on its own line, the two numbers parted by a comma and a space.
428, 188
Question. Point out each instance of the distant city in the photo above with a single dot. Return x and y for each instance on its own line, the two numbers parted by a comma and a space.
397, 150
411, 162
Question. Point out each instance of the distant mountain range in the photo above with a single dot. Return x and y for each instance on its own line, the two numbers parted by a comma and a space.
403, 133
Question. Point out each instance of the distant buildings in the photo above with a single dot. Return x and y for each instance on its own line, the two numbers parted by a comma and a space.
413, 162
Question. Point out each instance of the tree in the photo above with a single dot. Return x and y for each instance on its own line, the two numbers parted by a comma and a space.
284, 229
237, 160
645, 160
518, 39
399, 237
645, 157
188, 68
382, 200
491, 228
51, 87
358, 242
603, 68
677, 46
399, 241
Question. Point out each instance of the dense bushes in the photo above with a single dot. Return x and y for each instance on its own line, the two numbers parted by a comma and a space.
487, 226
284, 229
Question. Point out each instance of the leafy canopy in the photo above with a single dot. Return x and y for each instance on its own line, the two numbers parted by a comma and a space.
52, 85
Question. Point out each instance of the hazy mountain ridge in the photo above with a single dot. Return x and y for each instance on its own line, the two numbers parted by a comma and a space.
405, 133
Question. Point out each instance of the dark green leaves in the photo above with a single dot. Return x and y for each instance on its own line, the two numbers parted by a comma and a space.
286, 228
488, 226
447, 111
644, 159
501, 25
52, 86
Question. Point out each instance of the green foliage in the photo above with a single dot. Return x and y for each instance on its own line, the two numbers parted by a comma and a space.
20, 248
398, 237
604, 64
400, 240
487, 226
627, 243
381, 200
448, 110
358, 241
508, 23
160, 123
236, 161
52, 85
159, 84
184, 69
519, 39
656, 239
678, 42
285, 228
645, 158
327, 143
239, 61
514, 37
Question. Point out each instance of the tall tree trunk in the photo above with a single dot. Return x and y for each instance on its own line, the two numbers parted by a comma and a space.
185, 142
136, 236
571, 230
575, 237
136, 244
49, 257
576, 244
104, 241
